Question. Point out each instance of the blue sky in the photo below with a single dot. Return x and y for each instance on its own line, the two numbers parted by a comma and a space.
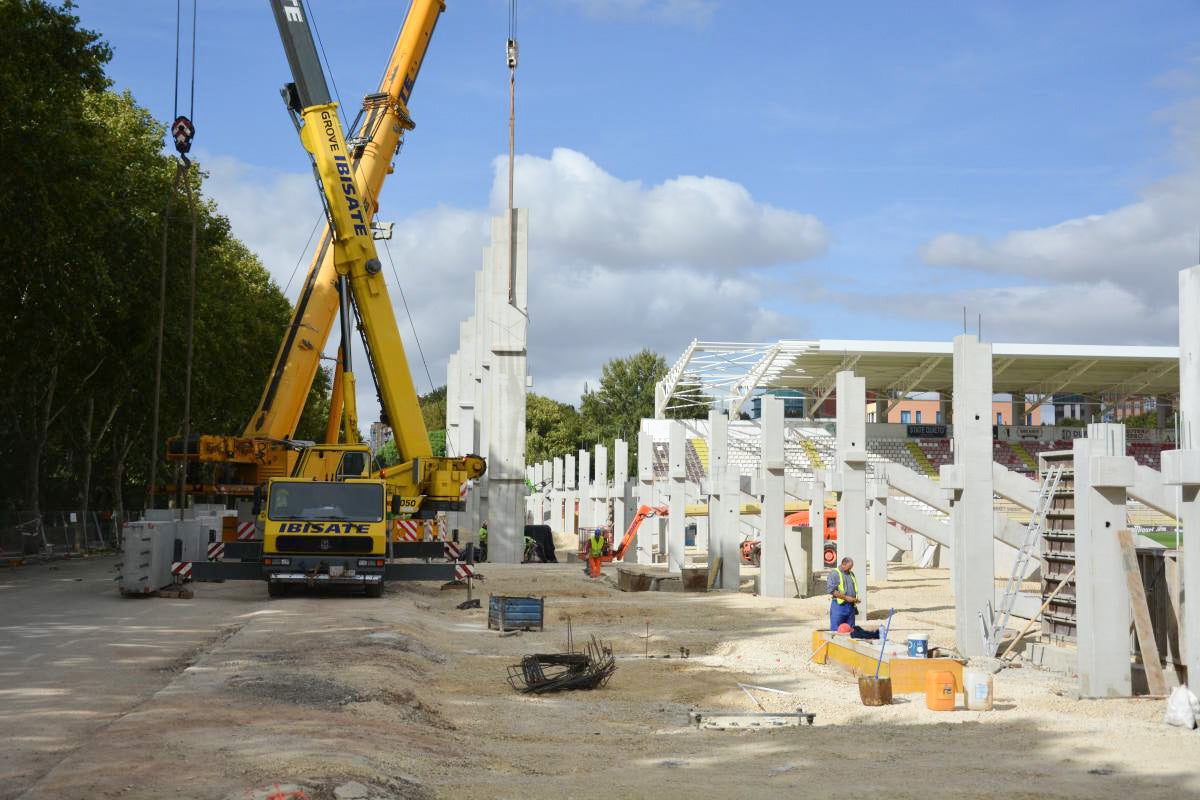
878, 166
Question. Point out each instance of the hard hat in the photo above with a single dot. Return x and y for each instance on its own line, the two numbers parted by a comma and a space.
844, 627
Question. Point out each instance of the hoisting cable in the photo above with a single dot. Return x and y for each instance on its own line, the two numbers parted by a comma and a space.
411, 323
182, 134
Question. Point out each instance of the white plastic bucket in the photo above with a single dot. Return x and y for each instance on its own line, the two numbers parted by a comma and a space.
918, 645
977, 690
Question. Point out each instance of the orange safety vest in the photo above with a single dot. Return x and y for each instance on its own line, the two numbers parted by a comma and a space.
842, 585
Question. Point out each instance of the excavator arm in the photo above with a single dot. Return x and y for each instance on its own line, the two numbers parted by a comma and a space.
643, 513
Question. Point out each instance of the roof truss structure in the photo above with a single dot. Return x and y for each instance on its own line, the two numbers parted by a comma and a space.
728, 374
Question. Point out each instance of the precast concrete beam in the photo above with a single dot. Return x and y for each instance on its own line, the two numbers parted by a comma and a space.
1150, 489
851, 466
1102, 608
1015, 487
908, 482
925, 524
647, 533
1184, 466
973, 572
677, 473
772, 562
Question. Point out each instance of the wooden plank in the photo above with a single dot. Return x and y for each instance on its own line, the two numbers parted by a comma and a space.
1155, 678
1175, 623
714, 571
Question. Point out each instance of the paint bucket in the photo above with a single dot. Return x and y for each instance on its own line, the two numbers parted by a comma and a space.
918, 645
977, 690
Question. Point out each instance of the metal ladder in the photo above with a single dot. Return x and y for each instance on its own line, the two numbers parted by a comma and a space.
1033, 533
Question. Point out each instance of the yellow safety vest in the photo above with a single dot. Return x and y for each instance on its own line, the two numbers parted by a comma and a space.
483, 535
597, 543
842, 586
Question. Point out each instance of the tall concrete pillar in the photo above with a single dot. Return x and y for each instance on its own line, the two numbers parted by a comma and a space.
508, 323
773, 564
483, 384
723, 503
620, 485
879, 531
881, 410
851, 463
1018, 411
677, 473
586, 523
570, 495
1102, 474
647, 533
973, 572
558, 516
1182, 467
816, 515
600, 489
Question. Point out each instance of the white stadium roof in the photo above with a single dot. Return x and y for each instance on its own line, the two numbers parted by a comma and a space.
726, 374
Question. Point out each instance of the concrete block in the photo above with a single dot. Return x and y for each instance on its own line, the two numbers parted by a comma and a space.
951, 477
1181, 467
1112, 472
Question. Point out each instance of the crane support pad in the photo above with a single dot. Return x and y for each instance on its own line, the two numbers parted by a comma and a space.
419, 572
243, 551
227, 571
418, 549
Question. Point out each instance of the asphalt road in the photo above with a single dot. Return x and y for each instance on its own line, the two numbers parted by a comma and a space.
76, 656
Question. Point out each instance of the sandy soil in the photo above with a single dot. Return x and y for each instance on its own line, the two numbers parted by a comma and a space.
408, 694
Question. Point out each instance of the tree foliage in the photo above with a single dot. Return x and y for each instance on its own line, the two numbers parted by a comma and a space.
83, 195
551, 428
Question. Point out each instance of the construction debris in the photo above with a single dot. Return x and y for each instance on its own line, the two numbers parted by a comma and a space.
553, 672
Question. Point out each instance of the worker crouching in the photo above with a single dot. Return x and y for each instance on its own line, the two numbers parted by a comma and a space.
843, 594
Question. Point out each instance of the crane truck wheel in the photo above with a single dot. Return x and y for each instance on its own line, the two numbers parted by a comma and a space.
276, 589
374, 589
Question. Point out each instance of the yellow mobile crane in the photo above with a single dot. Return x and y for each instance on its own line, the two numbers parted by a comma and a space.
344, 275
323, 525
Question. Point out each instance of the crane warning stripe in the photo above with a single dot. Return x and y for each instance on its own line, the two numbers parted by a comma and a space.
464, 571
453, 551
245, 531
407, 529
216, 551
182, 568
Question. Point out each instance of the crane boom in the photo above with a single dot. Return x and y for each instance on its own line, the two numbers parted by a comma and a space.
385, 119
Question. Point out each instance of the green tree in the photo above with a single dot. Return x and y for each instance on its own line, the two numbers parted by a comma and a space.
551, 428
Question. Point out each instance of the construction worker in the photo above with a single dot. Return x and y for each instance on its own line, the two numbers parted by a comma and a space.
843, 593
595, 550
483, 541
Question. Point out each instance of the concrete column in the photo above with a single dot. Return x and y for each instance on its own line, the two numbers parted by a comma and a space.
1182, 467
483, 384
557, 516
620, 485
973, 572
722, 528
816, 515
851, 463
1018, 409
646, 534
773, 566
879, 531
586, 523
570, 493
797, 581
600, 490
676, 522
508, 323
1102, 612
881, 412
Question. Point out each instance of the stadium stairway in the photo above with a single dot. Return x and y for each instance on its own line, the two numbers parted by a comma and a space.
1024, 455
701, 448
922, 460
814, 456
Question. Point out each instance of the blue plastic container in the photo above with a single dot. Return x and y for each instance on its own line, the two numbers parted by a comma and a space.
918, 645
515, 613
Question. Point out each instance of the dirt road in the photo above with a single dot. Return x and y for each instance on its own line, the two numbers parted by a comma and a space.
230, 692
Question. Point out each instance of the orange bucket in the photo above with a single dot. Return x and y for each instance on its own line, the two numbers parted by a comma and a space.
939, 690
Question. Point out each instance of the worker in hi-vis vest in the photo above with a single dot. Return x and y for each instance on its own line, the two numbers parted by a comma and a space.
843, 594
483, 542
595, 549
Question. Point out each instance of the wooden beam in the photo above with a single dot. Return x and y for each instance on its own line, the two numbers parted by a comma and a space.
1155, 678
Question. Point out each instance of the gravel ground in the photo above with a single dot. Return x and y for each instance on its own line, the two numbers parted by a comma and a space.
408, 696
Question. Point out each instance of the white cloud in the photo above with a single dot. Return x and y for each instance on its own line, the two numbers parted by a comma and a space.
1137, 248
584, 216
615, 266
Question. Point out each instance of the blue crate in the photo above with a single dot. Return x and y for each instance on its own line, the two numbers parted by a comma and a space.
515, 613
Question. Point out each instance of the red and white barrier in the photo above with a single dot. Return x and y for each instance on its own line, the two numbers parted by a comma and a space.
216, 551
245, 531
183, 569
